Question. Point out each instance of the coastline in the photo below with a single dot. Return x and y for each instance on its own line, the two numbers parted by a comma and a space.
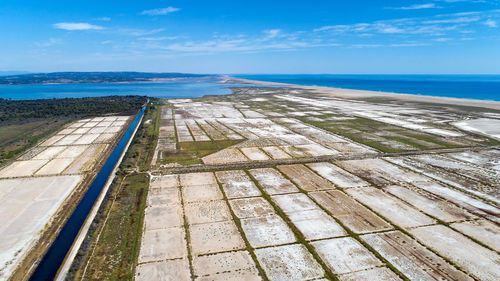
351, 93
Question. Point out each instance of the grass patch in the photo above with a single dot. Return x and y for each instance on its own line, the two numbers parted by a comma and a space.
140, 152
17, 137
190, 153
115, 253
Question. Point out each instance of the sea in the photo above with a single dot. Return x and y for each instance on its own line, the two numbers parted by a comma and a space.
482, 87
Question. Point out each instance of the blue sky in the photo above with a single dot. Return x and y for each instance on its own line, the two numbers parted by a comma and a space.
396, 37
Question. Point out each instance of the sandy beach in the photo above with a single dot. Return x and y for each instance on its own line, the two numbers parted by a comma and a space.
351, 93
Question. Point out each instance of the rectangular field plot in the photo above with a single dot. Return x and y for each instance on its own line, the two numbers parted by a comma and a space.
197, 179
206, 212
462, 179
316, 224
72, 151
209, 238
161, 244
197, 193
471, 204
429, 204
337, 176
68, 139
267, 231
272, 181
226, 266
489, 159
345, 255
482, 230
167, 181
352, 214
473, 258
88, 159
290, 262
380, 172
165, 270
228, 155
163, 216
55, 166
254, 153
236, 184
251, 207
412, 259
296, 202
276, 152
27, 205
22, 168
305, 178
392, 208
454, 166
164, 197
49, 153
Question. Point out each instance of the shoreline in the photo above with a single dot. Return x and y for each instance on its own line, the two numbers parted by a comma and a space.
353, 93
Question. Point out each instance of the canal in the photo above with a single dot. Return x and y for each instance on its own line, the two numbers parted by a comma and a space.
48, 267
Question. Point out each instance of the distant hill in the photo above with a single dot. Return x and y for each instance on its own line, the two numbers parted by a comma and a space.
12, 72
90, 77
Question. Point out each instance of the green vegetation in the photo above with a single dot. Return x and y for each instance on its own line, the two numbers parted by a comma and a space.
116, 242
141, 151
16, 138
81, 107
189, 153
383, 137
24, 123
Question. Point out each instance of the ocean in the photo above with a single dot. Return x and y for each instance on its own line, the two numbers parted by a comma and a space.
483, 87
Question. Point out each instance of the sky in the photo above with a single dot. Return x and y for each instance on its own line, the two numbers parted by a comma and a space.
272, 36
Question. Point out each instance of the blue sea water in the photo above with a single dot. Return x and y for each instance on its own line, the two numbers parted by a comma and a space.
483, 87
181, 88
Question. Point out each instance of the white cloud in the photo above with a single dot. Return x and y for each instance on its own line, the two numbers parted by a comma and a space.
106, 42
161, 38
139, 32
416, 7
272, 33
235, 44
454, 20
361, 46
76, 26
443, 25
384, 28
442, 39
48, 43
104, 19
490, 23
408, 45
160, 11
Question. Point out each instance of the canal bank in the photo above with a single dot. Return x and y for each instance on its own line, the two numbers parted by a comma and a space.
67, 243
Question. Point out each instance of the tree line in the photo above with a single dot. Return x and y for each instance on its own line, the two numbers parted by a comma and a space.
89, 106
